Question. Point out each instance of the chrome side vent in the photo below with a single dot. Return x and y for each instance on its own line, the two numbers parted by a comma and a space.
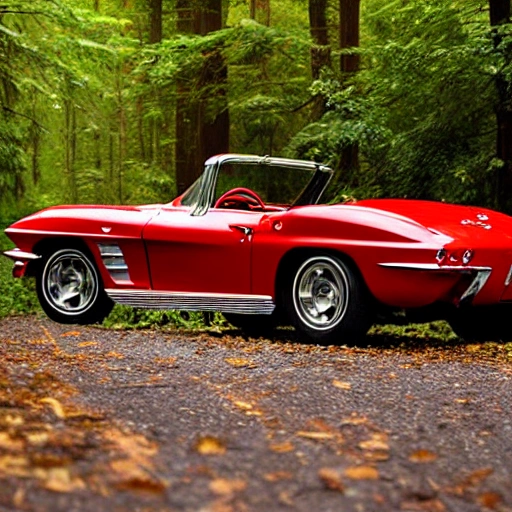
113, 259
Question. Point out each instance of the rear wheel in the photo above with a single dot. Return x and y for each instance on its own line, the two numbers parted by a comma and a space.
327, 301
483, 323
70, 290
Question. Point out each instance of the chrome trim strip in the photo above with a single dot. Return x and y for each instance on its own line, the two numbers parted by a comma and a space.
434, 267
508, 279
18, 255
113, 259
476, 285
227, 303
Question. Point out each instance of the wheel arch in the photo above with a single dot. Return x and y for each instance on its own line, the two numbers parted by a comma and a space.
51, 244
293, 257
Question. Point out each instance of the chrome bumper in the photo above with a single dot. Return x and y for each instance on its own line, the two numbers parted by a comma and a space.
18, 255
480, 275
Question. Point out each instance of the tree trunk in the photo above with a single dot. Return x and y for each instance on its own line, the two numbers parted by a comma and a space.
198, 134
349, 64
321, 50
499, 14
155, 21
260, 11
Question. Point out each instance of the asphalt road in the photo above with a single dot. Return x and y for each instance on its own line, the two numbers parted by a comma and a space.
96, 419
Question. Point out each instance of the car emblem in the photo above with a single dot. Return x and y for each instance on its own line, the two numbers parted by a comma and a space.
478, 223
106, 229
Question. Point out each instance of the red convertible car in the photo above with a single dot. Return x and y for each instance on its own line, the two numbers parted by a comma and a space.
249, 239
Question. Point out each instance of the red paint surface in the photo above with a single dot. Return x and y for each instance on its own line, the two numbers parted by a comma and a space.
168, 249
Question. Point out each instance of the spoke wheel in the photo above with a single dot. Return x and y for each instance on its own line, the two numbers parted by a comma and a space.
70, 290
327, 301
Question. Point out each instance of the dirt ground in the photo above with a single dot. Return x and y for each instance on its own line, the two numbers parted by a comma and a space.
94, 419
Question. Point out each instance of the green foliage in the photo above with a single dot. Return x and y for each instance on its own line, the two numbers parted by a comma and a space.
127, 317
17, 296
421, 109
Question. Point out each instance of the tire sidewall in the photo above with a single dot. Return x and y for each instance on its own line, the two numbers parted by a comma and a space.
91, 312
355, 318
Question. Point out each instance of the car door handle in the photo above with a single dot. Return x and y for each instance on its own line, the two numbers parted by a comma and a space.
244, 229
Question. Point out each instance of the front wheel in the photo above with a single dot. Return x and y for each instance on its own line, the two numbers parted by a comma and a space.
327, 301
70, 290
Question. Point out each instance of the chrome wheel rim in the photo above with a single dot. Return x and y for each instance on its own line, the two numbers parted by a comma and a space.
320, 293
70, 282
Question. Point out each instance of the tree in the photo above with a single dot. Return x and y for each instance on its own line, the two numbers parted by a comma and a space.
202, 119
320, 50
500, 16
349, 64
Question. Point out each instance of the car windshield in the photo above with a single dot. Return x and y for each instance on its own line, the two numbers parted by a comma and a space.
282, 186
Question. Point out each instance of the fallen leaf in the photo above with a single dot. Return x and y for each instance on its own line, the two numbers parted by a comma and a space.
341, 385
282, 447
243, 405
225, 487
378, 441
209, 445
318, 436
70, 333
490, 500
87, 344
421, 456
115, 355
165, 360
361, 473
478, 476
277, 476
8, 443
142, 484
331, 478
423, 506
58, 410
240, 362
37, 438
12, 420
14, 465
354, 420
286, 499
61, 480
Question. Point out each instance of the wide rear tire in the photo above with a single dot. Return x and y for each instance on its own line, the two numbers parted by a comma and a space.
70, 289
327, 301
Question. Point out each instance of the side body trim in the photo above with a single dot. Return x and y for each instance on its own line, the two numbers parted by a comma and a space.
227, 303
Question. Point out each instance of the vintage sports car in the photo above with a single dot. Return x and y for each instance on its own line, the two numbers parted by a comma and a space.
249, 239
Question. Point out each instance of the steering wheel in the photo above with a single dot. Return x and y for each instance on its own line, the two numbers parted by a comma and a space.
246, 193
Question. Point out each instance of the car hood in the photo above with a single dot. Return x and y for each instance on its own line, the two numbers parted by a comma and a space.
100, 220
465, 223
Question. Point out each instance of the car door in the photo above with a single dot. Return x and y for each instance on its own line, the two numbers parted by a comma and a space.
210, 253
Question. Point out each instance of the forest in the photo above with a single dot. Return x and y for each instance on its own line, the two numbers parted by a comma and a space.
121, 101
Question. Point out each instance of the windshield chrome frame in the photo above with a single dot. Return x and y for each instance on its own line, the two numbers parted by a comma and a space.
310, 195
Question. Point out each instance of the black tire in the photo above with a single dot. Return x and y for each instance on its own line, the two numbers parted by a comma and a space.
483, 323
70, 289
253, 325
327, 301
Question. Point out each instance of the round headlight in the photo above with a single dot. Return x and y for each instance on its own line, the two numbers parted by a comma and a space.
441, 255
